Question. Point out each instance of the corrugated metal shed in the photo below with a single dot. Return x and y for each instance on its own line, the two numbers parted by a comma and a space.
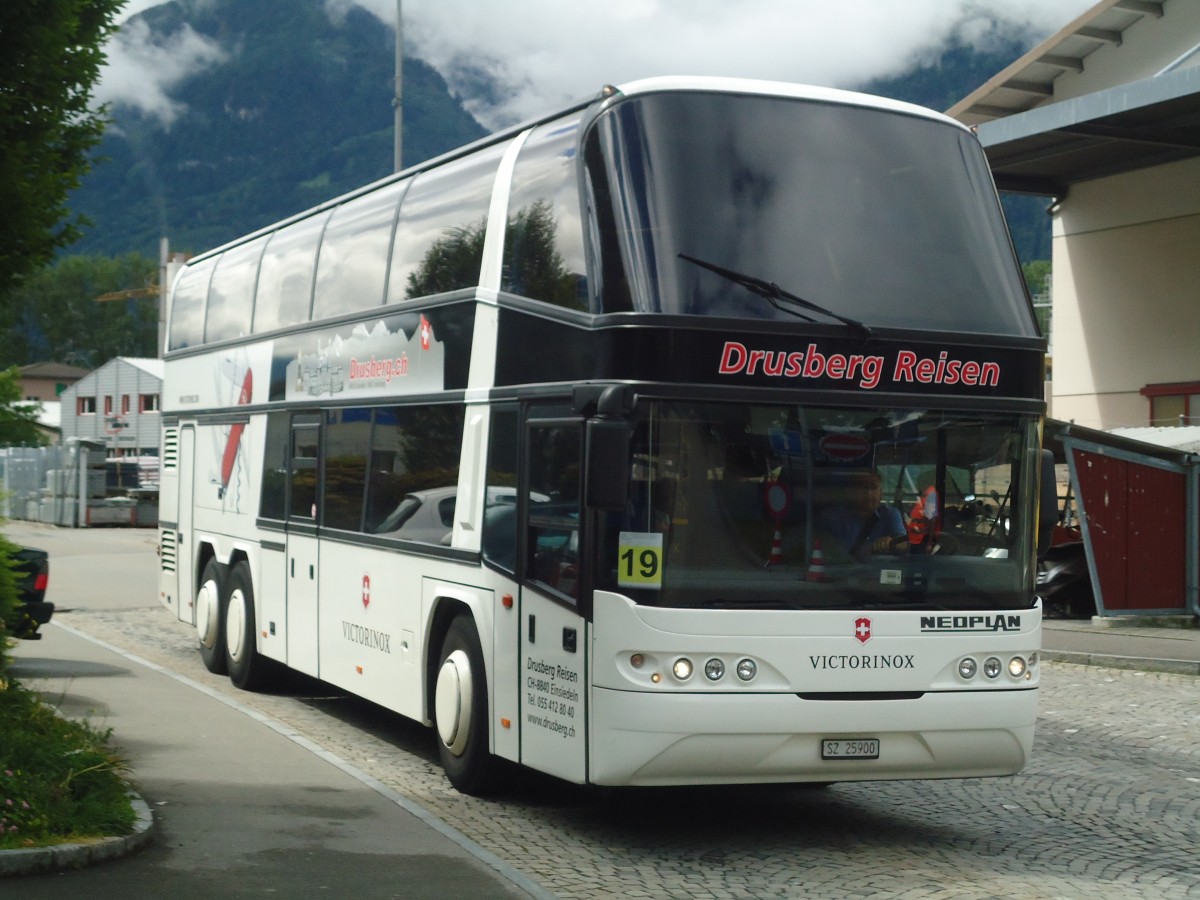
117, 405
1186, 438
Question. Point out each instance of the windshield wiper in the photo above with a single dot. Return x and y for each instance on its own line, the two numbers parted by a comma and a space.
775, 295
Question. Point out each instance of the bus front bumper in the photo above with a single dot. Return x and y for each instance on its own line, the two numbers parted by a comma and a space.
675, 739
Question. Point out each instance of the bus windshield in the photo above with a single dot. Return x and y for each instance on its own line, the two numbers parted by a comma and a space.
886, 218
763, 506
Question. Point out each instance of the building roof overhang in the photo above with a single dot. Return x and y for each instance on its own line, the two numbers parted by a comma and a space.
1043, 145
1132, 126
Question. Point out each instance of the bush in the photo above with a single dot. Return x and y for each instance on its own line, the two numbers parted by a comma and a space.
59, 780
8, 600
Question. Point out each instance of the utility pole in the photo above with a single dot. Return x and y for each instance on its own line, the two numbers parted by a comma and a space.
398, 100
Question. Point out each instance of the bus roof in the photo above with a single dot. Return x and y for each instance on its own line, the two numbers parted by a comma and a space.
816, 93
643, 86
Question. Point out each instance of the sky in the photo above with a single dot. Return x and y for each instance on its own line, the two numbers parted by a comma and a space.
546, 53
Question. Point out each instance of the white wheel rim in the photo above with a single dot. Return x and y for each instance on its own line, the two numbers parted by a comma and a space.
235, 624
207, 605
452, 702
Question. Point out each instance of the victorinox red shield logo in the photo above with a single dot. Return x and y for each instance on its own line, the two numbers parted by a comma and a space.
862, 629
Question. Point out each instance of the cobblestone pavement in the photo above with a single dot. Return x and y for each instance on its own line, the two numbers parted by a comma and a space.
1108, 808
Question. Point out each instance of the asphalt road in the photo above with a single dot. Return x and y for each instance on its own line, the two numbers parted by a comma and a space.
1108, 808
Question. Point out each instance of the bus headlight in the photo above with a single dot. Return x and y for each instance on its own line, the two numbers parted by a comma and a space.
1016, 667
747, 669
991, 667
967, 667
682, 669
714, 669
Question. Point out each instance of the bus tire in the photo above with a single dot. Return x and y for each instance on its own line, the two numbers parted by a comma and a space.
247, 669
210, 623
460, 710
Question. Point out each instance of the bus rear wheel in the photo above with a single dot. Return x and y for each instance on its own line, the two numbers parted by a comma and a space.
210, 624
248, 670
460, 710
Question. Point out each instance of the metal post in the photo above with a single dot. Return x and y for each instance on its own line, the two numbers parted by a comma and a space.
398, 101
164, 285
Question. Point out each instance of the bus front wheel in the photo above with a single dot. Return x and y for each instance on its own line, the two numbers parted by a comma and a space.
247, 669
460, 710
210, 625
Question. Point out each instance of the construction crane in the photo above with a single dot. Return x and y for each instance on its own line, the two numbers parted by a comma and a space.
150, 290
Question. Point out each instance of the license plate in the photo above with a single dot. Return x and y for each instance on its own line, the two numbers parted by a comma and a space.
858, 748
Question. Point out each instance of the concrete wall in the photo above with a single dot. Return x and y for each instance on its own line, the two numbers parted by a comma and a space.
1126, 293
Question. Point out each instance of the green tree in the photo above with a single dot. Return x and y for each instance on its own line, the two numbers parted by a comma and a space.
54, 313
18, 420
1037, 279
50, 58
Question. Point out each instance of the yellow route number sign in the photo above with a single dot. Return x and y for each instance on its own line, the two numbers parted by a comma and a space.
639, 559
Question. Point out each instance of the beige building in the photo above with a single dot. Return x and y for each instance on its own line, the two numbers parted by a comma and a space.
47, 380
1104, 118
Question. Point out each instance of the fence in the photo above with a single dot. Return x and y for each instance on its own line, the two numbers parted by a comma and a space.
75, 485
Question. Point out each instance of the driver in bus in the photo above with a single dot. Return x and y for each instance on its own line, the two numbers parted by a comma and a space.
861, 525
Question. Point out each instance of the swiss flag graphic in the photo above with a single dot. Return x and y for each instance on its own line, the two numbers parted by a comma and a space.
862, 629
426, 332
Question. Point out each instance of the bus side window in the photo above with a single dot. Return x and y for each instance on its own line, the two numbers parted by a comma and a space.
438, 246
347, 434
352, 265
500, 506
275, 467
188, 304
543, 244
231, 294
413, 479
302, 493
285, 277
552, 538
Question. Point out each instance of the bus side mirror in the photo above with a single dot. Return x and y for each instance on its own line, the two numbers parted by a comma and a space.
606, 485
1048, 505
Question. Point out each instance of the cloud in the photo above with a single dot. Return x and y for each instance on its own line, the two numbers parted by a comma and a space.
536, 55
544, 53
143, 67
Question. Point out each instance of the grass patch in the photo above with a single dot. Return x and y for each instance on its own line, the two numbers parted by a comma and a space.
60, 780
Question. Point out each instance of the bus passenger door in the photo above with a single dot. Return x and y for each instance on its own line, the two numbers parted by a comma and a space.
553, 636
301, 557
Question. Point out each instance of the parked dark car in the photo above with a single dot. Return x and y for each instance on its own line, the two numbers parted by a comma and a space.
1064, 583
33, 610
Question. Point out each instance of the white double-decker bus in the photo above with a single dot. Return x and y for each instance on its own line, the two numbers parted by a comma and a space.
688, 435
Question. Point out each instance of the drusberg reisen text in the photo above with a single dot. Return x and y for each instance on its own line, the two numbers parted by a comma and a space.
738, 359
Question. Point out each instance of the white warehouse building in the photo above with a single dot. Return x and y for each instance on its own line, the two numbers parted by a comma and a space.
118, 405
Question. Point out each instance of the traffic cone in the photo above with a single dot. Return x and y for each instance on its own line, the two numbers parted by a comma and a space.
776, 557
816, 566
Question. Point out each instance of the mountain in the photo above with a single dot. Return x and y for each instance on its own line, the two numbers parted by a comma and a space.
298, 110
942, 82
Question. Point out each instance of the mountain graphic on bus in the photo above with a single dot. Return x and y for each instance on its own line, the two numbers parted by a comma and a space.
373, 361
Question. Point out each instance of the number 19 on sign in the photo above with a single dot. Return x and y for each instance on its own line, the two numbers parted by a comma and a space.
639, 560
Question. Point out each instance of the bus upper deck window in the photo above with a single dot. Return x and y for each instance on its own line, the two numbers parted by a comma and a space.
188, 305
352, 265
438, 245
285, 279
231, 296
543, 245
